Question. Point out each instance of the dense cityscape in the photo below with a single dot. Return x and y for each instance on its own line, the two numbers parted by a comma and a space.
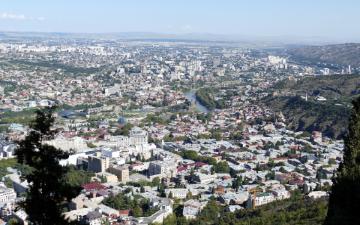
181, 113
168, 123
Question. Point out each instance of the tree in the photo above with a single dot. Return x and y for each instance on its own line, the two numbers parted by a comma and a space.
189, 195
222, 167
210, 213
170, 220
76, 177
192, 177
344, 202
216, 134
156, 181
237, 182
13, 221
282, 170
136, 211
48, 188
125, 130
233, 173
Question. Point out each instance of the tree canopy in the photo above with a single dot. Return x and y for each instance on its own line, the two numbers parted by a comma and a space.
48, 189
344, 202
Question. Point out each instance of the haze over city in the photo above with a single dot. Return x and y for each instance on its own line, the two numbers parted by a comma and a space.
329, 20
179, 112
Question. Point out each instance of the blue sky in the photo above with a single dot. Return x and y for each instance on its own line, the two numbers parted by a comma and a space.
302, 18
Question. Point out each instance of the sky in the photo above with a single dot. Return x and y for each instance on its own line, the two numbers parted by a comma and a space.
331, 19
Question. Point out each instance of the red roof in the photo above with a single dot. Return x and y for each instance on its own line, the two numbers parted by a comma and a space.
200, 164
93, 186
124, 212
182, 168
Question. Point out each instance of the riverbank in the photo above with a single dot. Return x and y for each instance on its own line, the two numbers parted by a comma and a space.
191, 96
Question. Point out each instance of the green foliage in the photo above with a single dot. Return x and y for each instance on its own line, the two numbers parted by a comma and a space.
52, 65
236, 136
206, 97
344, 200
343, 54
192, 155
22, 117
125, 130
154, 183
77, 178
4, 164
311, 116
48, 188
287, 212
8, 182
140, 207
12, 163
216, 134
90, 145
203, 117
81, 106
222, 167
237, 182
210, 213
170, 220
13, 221
151, 118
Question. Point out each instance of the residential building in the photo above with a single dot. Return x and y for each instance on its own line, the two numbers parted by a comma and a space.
98, 164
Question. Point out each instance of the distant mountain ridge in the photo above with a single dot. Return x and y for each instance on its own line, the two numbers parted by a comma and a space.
259, 41
342, 54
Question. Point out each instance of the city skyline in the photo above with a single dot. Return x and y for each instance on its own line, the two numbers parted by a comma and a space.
179, 112
326, 20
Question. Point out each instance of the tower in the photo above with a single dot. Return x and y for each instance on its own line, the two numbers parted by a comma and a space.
349, 69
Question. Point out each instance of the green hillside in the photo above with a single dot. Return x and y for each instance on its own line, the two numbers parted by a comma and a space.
330, 116
311, 116
341, 88
342, 54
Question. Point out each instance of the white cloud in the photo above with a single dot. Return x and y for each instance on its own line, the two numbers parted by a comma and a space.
13, 16
187, 28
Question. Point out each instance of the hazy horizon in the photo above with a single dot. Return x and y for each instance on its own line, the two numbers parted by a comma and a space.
326, 20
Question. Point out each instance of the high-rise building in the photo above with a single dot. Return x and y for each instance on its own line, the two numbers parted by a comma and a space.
98, 164
122, 172
138, 136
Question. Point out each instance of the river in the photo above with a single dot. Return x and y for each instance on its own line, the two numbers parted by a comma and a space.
190, 95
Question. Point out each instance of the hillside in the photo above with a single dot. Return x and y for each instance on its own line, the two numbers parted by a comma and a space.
342, 54
311, 116
340, 88
330, 116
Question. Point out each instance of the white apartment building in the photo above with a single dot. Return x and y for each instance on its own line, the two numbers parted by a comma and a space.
179, 193
138, 136
7, 195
